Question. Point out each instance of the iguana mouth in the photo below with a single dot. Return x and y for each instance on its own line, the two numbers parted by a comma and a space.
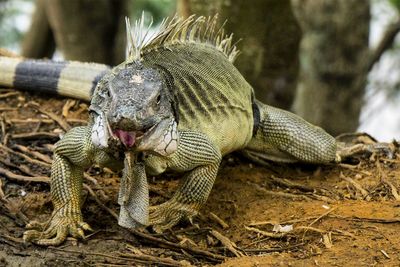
130, 138
126, 138
161, 137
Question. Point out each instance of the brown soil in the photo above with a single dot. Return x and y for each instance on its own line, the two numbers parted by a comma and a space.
343, 215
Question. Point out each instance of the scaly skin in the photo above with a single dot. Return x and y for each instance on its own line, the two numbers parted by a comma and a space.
193, 85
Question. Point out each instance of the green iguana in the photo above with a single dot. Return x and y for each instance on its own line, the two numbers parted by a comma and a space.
177, 103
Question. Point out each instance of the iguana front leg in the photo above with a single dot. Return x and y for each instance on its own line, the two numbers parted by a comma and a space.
201, 158
73, 153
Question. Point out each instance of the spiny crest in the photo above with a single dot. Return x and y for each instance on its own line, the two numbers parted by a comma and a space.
178, 30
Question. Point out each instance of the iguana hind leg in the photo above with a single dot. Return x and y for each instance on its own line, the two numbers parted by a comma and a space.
195, 154
285, 137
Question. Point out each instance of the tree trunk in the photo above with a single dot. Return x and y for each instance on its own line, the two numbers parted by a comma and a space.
39, 42
89, 30
333, 54
269, 47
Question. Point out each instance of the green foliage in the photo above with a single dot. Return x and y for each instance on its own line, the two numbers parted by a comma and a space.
10, 34
396, 4
158, 9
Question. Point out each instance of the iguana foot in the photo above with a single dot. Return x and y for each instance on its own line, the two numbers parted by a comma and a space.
386, 149
168, 214
350, 145
55, 231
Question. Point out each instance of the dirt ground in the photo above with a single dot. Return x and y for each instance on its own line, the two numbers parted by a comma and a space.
276, 215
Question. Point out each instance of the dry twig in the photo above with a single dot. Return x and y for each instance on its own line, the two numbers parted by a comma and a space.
7, 109
29, 159
18, 177
161, 242
36, 154
217, 219
231, 246
33, 120
322, 216
289, 184
67, 106
364, 192
279, 194
354, 168
9, 94
1, 190
98, 201
22, 167
178, 247
265, 233
63, 123
35, 135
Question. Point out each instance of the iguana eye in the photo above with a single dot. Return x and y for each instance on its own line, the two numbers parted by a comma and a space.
158, 99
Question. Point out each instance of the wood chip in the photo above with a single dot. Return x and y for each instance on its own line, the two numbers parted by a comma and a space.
327, 240
385, 254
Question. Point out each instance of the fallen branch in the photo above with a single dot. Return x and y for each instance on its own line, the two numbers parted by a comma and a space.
98, 201
18, 177
364, 219
177, 247
354, 168
393, 189
9, 94
158, 241
32, 120
267, 250
265, 233
218, 220
155, 260
63, 123
1, 190
382, 175
36, 154
289, 184
29, 159
364, 192
322, 216
22, 167
98, 254
8, 109
231, 246
279, 194
321, 198
36, 135
67, 106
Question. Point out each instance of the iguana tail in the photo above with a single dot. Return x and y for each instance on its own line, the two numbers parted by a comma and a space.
66, 78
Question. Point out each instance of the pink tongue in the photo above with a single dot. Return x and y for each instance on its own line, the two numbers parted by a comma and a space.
127, 138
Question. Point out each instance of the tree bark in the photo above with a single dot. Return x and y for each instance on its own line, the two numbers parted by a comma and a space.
39, 42
269, 46
89, 30
333, 53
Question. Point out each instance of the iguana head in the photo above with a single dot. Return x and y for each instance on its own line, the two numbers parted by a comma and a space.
133, 106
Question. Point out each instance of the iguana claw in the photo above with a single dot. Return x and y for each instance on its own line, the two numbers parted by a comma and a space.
168, 214
55, 231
